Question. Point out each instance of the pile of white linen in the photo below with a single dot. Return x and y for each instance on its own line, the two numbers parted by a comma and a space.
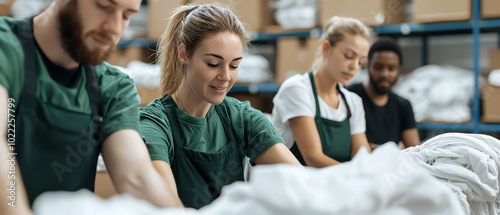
378, 183
467, 163
254, 69
27, 8
494, 77
84, 202
439, 93
292, 14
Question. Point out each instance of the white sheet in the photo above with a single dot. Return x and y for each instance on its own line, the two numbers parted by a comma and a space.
378, 183
467, 163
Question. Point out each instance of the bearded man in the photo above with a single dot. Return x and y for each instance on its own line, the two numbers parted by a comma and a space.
389, 117
66, 105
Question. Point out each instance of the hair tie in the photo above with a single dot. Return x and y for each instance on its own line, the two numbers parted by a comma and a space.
190, 10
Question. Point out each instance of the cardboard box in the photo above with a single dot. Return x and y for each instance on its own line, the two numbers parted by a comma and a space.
490, 8
295, 56
122, 57
491, 103
148, 94
494, 59
5, 7
425, 11
158, 13
258, 102
254, 13
370, 12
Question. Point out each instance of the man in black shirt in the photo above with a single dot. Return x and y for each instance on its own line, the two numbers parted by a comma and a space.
389, 117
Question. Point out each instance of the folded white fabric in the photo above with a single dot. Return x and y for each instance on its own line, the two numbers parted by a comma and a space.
378, 183
467, 163
494, 77
84, 202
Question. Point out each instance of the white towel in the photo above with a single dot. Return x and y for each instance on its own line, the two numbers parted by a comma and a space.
378, 183
467, 163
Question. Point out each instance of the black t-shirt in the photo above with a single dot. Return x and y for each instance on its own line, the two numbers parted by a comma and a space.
66, 77
385, 123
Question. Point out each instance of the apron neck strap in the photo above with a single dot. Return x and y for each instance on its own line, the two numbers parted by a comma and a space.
24, 33
169, 104
316, 101
226, 123
94, 95
345, 100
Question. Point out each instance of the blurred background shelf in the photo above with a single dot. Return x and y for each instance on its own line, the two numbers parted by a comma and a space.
141, 42
444, 28
255, 88
470, 28
395, 30
458, 127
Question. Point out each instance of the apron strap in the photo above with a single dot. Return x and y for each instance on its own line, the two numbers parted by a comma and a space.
318, 111
169, 105
316, 101
228, 128
95, 101
24, 33
343, 97
174, 122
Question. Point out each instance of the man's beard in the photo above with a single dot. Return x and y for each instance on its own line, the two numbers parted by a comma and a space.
71, 31
378, 89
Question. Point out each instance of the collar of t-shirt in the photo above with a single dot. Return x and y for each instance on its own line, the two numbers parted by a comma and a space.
66, 77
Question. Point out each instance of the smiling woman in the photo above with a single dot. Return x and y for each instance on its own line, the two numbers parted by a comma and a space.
196, 136
323, 123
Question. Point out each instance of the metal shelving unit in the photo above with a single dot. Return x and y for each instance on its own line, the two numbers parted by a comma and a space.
142, 42
256, 88
475, 26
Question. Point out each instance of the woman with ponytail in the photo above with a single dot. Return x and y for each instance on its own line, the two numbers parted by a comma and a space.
321, 122
196, 136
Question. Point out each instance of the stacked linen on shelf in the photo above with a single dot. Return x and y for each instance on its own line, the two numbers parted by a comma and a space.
467, 163
494, 77
377, 183
143, 74
295, 14
438, 93
254, 69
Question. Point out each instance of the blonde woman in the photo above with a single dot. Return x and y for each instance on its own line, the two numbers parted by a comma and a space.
197, 137
320, 120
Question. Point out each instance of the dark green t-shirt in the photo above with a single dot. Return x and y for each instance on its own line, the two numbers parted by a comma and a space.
119, 99
251, 127
119, 103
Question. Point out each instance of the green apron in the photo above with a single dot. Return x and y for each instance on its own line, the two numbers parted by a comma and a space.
335, 136
200, 176
56, 148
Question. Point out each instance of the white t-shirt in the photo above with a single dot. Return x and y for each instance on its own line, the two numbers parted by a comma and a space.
295, 98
